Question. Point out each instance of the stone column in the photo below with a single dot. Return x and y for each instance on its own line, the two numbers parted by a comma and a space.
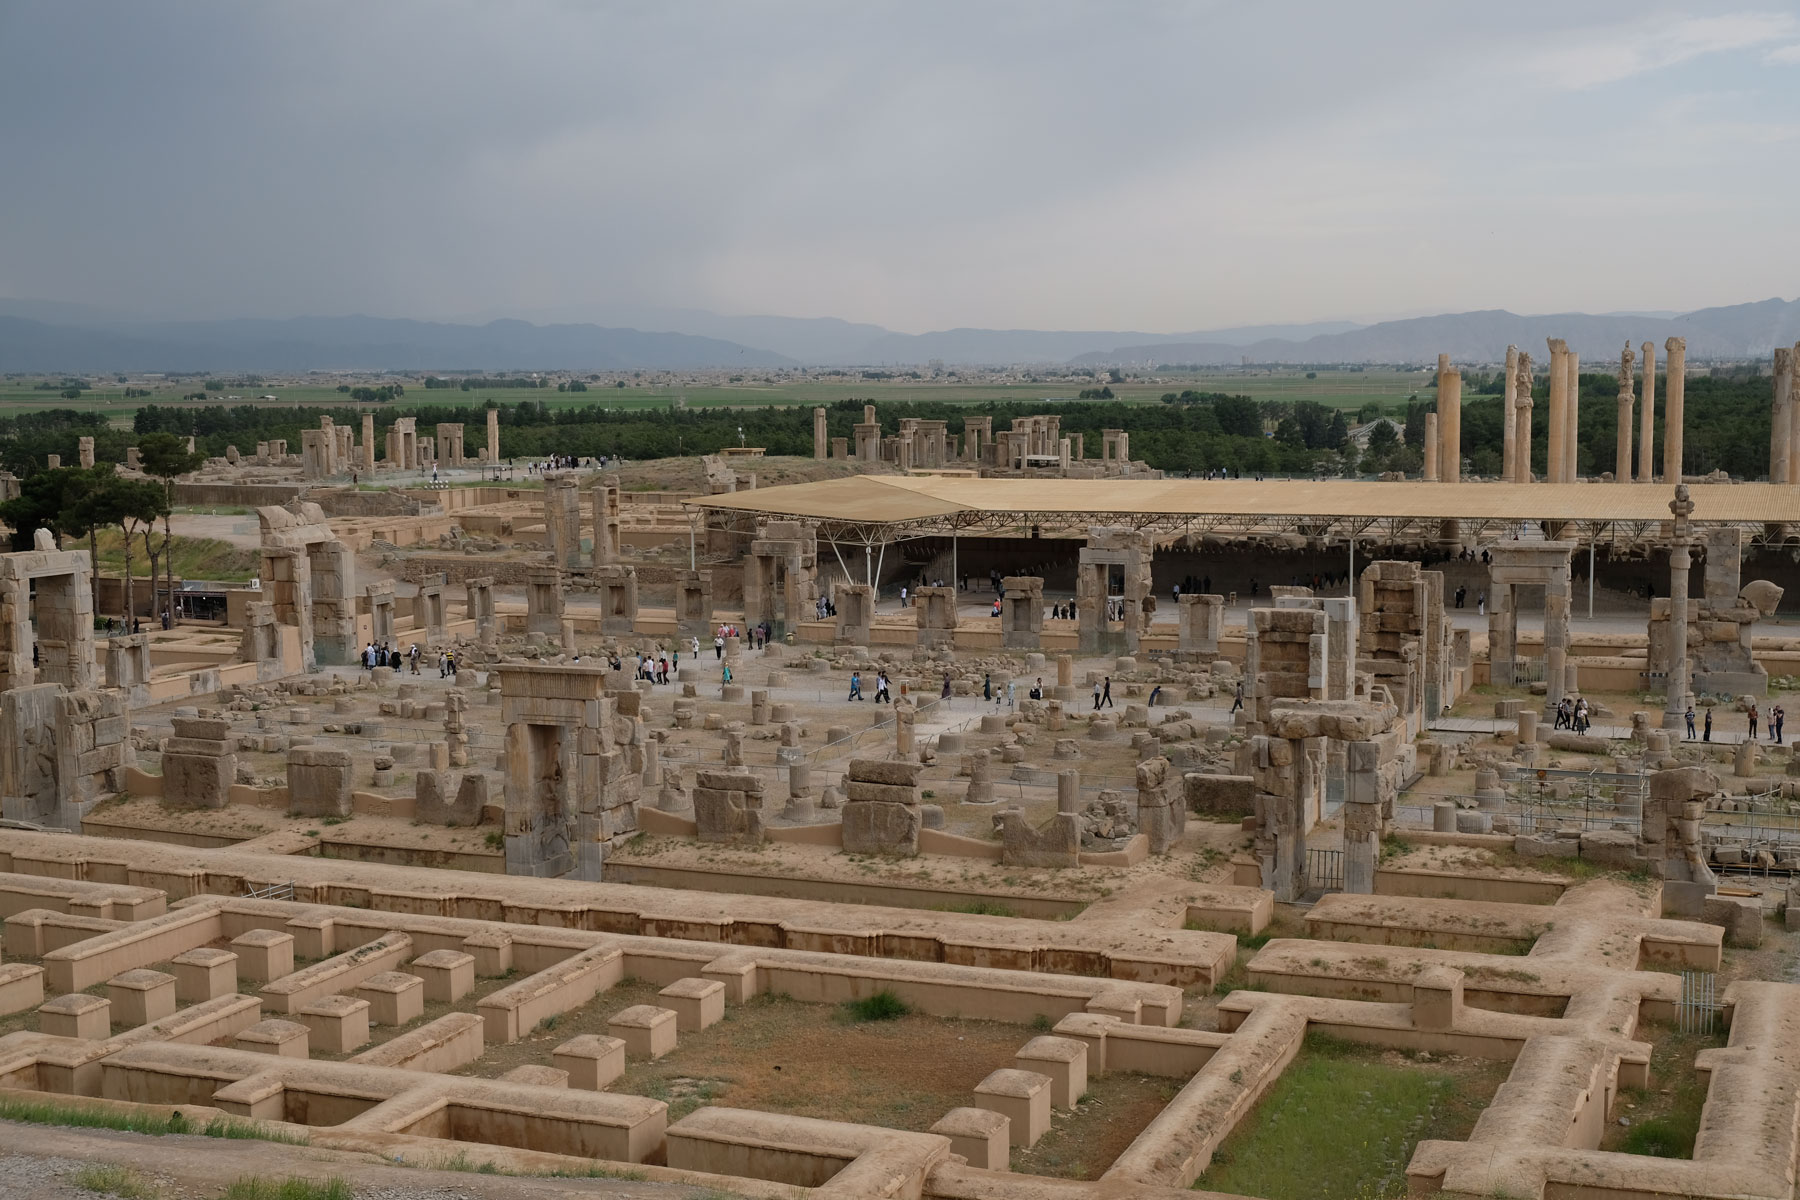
1622, 456
1572, 417
1522, 434
1509, 434
1068, 791
84, 452
821, 442
1646, 469
1449, 403
1556, 638
1559, 411
1677, 698
1781, 426
1672, 409
493, 435
1431, 447
368, 446
1794, 400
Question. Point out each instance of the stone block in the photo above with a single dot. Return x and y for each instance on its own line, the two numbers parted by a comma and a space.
204, 974
394, 997
978, 1134
697, 1003
76, 1016
1022, 1097
264, 954
876, 770
449, 975
874, 827
336, 1024
281, 1038
1739, 916
140, 997
646, 1030
537, 1075
592, 1061
21, 988
1063, 1060
319, 781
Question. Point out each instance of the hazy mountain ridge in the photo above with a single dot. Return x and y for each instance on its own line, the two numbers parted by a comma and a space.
359, 343
87, 340
1733, 331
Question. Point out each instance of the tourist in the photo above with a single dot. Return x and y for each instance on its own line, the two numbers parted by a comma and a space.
1096, 695
1009, 695
882, 695
1037, 690
696, 643
1776, 716
1690, 722
1106, 694
725, 673
1461, 593
855, 687
719, 645
450, 664
1481, 605
1707, 736
1237, 701
945, 694
415, 658
1751, 717
987, 686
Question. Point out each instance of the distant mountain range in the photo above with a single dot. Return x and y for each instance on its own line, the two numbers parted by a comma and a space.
40, 337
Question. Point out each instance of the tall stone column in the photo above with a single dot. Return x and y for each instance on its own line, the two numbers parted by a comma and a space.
1646, 470
821, 443
1522, 434
1509, 434
1572, 417
1794, 407
1677, 697
493, 436
1676, 390
1556, 639
1622, 458
1781, 425
1431, 448
368, 446
1449, 403
1559, 410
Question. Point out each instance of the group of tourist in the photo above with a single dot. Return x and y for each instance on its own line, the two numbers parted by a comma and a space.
882, 694
1571, 714
384, 655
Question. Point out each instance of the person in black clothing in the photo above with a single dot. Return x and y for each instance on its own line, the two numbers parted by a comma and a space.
1106, 694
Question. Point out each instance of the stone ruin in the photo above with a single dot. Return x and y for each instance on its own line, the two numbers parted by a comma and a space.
1022, 612
936, 611
1404, 640
1720, 625
855, 604
1515, 564
572, 786
64, 742
780, 575
694, 604
728, 807
882, 808
309, 577
1202, 619
1111, 554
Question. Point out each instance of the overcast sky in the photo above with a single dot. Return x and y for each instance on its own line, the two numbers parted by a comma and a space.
921, 165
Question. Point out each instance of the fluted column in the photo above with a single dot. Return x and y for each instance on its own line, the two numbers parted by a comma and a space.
1794, 407
1571, 417
1781, 418
1522, 433
1449, 421
1646, 470
1673, 396
1509, 434
1622, 456
1559, 410
1431, 447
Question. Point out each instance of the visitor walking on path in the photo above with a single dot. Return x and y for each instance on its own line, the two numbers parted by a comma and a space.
1096, 695
1106, 694
855, 687
1708, 735
1690, 721
1751, 716
1237, 701
1777, 716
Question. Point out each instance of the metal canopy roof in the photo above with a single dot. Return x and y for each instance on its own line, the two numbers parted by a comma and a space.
881, 508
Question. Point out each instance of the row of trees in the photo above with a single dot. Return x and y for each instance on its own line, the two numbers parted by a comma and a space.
1727, 428
78, 502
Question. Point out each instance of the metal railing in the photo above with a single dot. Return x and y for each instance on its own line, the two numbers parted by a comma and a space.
1325, 870
275, 891
1699, 1010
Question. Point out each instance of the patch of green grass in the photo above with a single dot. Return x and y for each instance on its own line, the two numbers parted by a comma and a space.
980, 908
291, 1188
1294, 1147
1393, 846
36, 1112
109, 1180
882, 1006
1670, 1136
